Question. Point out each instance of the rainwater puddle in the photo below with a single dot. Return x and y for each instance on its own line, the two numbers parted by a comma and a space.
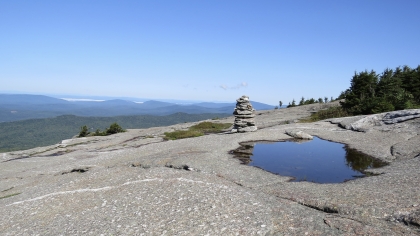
315, 160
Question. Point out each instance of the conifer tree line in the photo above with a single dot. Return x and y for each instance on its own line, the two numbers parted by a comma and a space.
371, 93
309, 101
304, 101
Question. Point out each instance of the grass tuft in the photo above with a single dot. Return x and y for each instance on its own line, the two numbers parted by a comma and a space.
197, 130
180, 134
210, 127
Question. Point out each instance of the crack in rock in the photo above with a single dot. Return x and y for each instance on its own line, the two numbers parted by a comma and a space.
325, 209
113, 187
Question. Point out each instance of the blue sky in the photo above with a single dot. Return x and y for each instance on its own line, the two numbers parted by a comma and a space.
202, 50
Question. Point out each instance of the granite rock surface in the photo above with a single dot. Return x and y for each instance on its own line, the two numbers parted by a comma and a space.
135, 183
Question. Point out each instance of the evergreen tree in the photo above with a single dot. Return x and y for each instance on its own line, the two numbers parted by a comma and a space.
302, 101
410, 82
360, 97
84, 131
114, 128
293, 103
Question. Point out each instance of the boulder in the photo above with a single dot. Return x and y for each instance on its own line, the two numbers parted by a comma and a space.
400, 116
299, 134
365, 123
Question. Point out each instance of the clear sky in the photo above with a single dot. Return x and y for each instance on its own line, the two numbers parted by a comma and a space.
209, 50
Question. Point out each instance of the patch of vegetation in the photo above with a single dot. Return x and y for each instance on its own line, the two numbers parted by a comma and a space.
197, 130
372, 93
331, 112
180, 134
210, 127
84, 131
113, 129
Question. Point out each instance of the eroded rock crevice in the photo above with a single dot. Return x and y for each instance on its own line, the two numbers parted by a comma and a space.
412, 219
77, 170
140, 165
180, 167
326, 209
406, 150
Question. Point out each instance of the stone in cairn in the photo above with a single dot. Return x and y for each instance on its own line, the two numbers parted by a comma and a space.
244, 116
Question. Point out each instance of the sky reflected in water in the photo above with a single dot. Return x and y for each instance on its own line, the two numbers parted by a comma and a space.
317, 160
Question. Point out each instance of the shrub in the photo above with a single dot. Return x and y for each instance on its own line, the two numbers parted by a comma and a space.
113, 129
84, 131
98, 132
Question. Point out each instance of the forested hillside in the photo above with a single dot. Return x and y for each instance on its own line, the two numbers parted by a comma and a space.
19, 135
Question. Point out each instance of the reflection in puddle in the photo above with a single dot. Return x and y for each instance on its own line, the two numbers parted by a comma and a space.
316, 160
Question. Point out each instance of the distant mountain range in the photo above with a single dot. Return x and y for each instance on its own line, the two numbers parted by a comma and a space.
15, 107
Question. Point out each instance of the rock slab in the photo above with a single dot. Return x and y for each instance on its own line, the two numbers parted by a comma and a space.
299, 134
367, 123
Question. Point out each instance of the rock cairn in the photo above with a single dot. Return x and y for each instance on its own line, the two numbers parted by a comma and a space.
244, 116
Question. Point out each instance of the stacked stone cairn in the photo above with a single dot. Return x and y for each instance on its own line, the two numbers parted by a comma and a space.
244, 116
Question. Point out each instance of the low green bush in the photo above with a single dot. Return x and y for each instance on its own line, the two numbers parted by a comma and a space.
84, 131
113, 129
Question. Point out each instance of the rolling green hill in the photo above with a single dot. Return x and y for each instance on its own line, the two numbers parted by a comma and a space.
26, 134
